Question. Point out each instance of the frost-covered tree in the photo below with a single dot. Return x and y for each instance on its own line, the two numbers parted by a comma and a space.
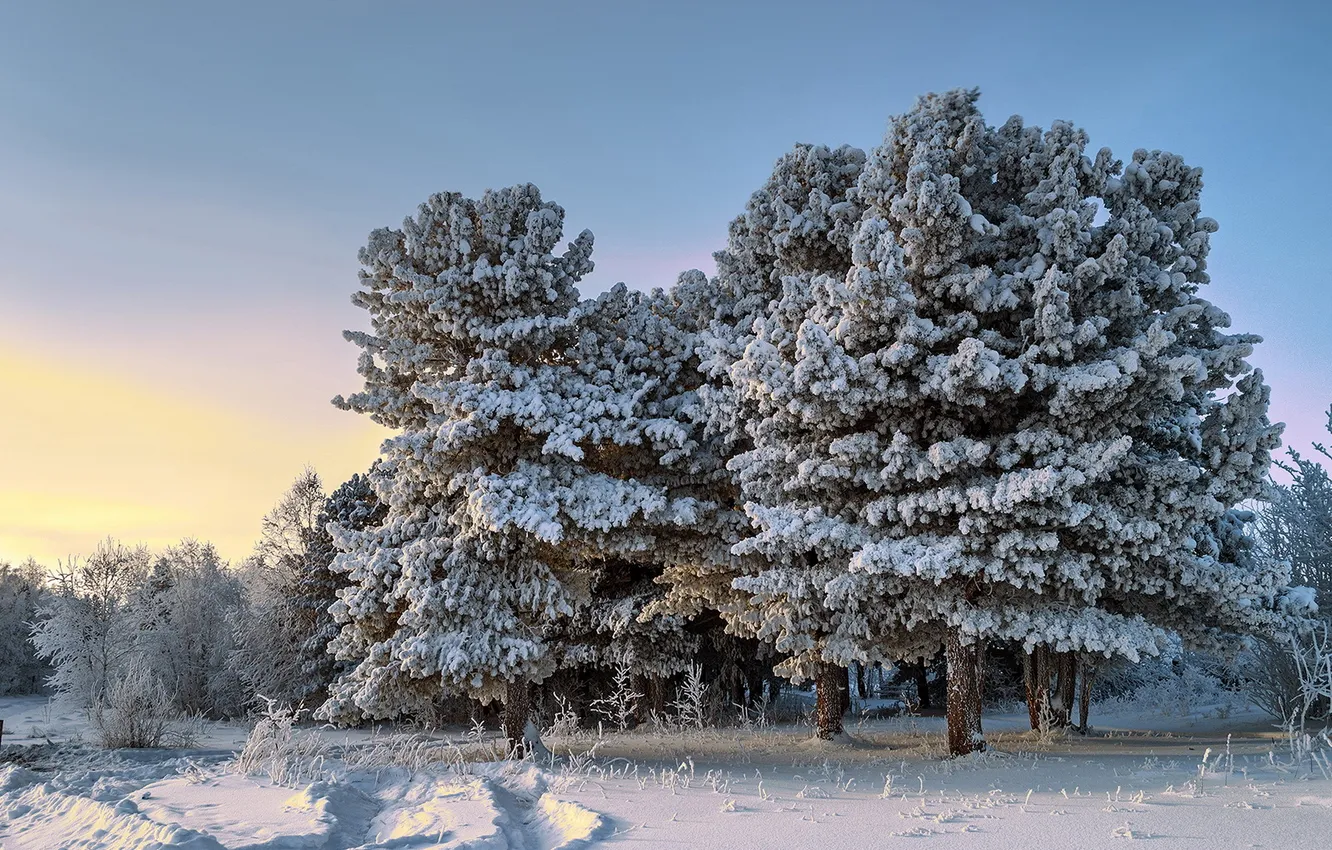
185, 614
353, 506
1011, 417
269, 628
1296, 524
799, 222
615, 629
286, 530
84, 630
166, 619
531, 431
22, 594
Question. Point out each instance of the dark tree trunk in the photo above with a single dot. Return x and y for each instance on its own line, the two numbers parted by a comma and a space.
517, 710
829, 685
641, 708
1039, 708
964, 695
656, 693
1030, 685
844, 691
1066, 688
923, 684
1084, 699
754, 684
653, 689
1051, 680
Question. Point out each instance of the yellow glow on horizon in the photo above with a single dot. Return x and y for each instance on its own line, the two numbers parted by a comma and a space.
89, 453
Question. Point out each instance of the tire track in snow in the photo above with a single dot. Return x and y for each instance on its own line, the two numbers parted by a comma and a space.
500, 811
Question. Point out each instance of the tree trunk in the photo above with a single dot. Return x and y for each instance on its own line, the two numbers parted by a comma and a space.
1066, 687
1030, 685
1039, 707
517, 710
653, 689
964, 695
829, 682
923, 684
754, 686
1084, 700
656, 694
844, 691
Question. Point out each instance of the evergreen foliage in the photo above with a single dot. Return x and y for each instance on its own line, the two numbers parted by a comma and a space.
531, 426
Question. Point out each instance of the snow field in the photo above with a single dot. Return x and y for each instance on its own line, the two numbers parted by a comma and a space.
221, 810
1206, 779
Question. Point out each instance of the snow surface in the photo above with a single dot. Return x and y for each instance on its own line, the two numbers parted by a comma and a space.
886, 784
209, 806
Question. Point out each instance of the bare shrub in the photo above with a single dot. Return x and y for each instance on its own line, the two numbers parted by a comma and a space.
1273, 678
621, 705
136, 711
691, 705
565, 723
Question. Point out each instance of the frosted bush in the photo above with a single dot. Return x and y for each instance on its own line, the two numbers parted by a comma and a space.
1186, 686
1272, 671
137, 711
619, 707
564, 722
691, 704
280, 751
1312, 657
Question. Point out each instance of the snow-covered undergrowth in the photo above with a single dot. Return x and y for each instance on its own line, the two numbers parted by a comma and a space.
1191, 691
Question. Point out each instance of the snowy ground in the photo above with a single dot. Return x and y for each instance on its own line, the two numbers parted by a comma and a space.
886, 786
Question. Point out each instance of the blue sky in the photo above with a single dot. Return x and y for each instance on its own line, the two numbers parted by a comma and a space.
187, 185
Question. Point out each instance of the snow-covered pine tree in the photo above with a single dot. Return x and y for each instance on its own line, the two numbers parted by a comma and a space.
354, 506
799, 222
636, 340
530, 436
1012, 417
